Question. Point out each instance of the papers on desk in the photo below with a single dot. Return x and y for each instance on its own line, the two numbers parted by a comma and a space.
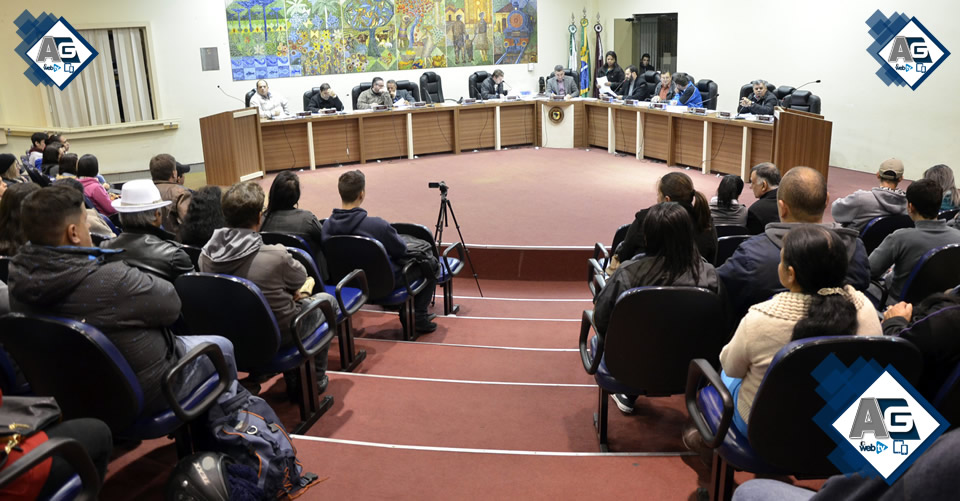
602, 86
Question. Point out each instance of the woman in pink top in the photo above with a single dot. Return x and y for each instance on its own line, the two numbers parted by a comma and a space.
87, 169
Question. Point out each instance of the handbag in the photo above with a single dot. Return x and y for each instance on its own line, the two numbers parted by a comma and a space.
21, 417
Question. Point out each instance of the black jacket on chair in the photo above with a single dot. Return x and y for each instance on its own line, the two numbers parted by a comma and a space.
151, 250
490, 90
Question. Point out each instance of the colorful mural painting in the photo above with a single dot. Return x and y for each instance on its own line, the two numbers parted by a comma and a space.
290, 38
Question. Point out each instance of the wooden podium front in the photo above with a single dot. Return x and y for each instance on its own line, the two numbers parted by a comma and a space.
232, 146
802, 138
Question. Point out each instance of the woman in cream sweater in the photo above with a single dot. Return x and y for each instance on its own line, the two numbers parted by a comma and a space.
813, 264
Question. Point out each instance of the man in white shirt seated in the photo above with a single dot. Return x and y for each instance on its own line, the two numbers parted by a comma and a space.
271, 105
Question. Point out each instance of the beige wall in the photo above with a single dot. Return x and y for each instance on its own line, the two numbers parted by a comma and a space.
623, 43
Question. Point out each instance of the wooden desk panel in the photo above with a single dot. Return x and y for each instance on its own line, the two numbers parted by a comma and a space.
476, 128
516, 125
384, 136
688, 141
581, 123
597, 118
656, 135
433, 132
727, 143
761, 146
285, 145
625, 130
336, 140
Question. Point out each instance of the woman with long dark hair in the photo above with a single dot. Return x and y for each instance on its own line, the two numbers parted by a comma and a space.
674, 187
204, 216
283, 216
725, 208
613, 72
672, 258
813, 267
11, 231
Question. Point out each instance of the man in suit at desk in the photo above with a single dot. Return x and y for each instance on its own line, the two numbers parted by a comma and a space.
376, 94
492, 87
631, 87
325, 99
761, 102
399, 96
561, 84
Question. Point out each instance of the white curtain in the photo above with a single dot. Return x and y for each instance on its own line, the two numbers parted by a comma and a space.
648, 41
92, 97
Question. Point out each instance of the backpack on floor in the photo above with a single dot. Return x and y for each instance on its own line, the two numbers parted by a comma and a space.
245, 428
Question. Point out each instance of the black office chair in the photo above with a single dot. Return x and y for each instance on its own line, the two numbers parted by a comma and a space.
474, 81
728, 230
803, 100
937, 271
747, 89
879, 227
410, 87
726, 246
650, 81
597, 264
308, 95
84, 485
709, 92
356, 91
649, 343
783, 91
249, 96
431, 88
948, 214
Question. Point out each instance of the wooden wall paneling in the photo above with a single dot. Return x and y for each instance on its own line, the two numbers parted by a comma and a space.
597, 117
761, 146
625, 130
285, 145
726, 142
384, 135
476, 127
336, 140
433, 131
516, 125
688, 141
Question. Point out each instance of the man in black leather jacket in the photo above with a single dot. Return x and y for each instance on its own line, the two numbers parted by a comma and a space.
146, 245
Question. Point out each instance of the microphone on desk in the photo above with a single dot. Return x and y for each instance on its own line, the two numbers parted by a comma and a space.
231, 97
543, 85
798, 88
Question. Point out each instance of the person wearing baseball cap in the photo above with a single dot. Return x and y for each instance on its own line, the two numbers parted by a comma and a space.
146, 245
857, 209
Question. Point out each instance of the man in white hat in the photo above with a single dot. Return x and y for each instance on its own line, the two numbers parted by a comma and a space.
146, 245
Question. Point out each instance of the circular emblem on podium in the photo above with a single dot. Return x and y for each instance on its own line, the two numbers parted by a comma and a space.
556, 114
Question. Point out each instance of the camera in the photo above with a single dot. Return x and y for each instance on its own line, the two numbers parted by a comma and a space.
442, 185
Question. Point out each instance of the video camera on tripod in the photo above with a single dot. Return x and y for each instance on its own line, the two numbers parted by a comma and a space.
442, 185
446, 212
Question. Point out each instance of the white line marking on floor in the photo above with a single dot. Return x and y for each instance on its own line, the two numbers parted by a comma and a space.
519, 348
485, 318
584, 300
463, 381
506, 452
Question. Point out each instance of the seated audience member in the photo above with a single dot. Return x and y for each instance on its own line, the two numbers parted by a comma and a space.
645, 65
750, 275
351, 219
687, 92
561, 84
492, 87
203, 218
50, 164
325, 99
59, 138
725, 208
672, 258
903, 248
612, 71
60, 273
10, 170
182, 171
631, 87
764, 180
68, 165
857, 209
932, 476
665, 90
87, 169
238, 250
399, 96
376, 94
38, 142
271, 104
932, 328
12, 234
761, 102
283, 216
943, 176
145, 245
813, 269
98, 222
673, 187
163, 171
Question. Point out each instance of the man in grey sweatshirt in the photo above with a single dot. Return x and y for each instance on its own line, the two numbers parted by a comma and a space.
857, 209
904, 247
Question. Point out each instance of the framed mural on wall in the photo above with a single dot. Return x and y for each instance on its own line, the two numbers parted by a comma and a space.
291, 38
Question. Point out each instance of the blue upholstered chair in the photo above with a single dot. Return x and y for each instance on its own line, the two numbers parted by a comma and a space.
194, 253
84, 485
92, 379
729, 230
787, 399
597, 265
649, 343
350, 252
726, 246
937, 271
449, 266
947, 399
879, 227
234, 308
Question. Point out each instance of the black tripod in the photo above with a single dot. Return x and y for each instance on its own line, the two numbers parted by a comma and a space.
442, 220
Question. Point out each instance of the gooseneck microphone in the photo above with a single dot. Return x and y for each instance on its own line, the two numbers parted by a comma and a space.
806, 84
231, 97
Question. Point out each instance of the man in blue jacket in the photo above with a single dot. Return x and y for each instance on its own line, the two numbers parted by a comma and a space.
351, 219
750, 275
687, 93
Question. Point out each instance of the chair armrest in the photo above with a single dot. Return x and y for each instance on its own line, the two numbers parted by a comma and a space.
404, 273
359, 277
700, 368
71, 451
586, 323
600, 251
329, 318
211, 351
884, 293
446, 254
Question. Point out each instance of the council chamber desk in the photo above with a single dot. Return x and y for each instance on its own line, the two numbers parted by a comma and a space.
709, 143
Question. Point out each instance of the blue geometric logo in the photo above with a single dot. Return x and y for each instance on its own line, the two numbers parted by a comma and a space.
881, 424
55, 53
907, 52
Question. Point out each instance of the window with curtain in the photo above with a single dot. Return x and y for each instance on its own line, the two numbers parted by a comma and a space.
114, 88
